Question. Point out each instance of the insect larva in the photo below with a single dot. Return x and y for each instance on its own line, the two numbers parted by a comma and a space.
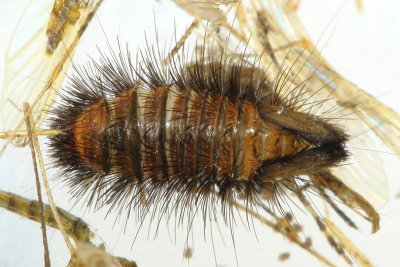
180, 134
96, 223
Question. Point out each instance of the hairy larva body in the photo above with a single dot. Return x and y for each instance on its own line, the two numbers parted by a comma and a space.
153, 246
182, 136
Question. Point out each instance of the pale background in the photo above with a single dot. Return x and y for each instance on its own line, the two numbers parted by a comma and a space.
363, 47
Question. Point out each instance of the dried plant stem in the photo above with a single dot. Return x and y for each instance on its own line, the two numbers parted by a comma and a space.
35, 145
353, 250
24, 133
291, 235
29, 126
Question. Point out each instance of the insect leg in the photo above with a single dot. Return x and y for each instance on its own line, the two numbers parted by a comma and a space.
327, 181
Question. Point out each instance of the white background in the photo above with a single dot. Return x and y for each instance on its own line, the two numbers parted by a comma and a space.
363, 47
